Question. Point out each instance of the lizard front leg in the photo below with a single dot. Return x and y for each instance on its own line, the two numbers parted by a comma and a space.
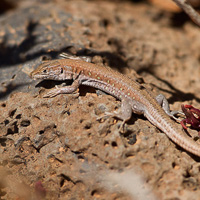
73, 57
64, 90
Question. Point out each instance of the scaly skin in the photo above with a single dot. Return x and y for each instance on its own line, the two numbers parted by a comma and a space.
135, 98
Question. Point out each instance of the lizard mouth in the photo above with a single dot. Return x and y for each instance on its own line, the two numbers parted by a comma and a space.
35, 76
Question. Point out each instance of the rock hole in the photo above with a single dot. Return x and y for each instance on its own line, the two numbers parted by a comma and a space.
133, 140
16, 130
2, 193
13, 130
3, 142
9, 131
95, 192
90, 104
106, 143
19, 116
114, 144
25, 123
62, 181
6, 122
77, 152
187, 174
41, 132
11, 113
89, 134
80, 157
65, 177
3, 105
66, 112
173, 164
104, 23
129, 154
87, 125
142, 87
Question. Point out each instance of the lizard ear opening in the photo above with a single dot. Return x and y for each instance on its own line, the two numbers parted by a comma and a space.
61, 71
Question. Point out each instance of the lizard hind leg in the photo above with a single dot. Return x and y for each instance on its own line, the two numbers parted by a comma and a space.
162, 101
124, 113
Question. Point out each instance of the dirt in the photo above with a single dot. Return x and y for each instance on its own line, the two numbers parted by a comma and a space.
56, 148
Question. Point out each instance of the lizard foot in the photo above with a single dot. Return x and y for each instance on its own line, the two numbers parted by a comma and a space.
52, 93
174, 113
113, 115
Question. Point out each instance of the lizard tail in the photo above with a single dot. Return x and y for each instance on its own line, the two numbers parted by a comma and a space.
169, 127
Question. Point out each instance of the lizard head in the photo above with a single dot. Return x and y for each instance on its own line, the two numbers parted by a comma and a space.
52, 70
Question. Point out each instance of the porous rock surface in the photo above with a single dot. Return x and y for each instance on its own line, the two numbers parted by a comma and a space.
56, 148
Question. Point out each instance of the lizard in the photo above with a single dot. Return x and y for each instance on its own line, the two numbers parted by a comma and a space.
135, 98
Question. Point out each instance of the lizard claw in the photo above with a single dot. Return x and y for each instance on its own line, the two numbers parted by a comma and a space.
174, 113
55, 92
107, 114
112, 115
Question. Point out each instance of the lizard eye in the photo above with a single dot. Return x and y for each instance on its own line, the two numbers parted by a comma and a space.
44, 71
61, 71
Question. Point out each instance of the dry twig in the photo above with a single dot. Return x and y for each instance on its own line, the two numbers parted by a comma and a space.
189, 10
